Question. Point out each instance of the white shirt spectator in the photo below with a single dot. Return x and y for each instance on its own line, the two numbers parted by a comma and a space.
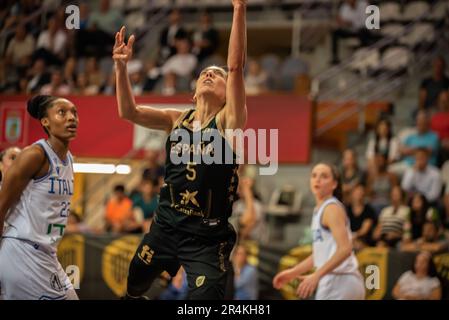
356, 16
59, 41
411, 285
427, 182
62, 90
20, 49
180, 64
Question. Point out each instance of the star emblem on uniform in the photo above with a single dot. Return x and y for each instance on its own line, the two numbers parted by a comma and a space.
231, 198
188, 197
231, 189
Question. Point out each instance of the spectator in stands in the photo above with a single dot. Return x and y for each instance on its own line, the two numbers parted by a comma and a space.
75, 224
420, 283
351, 23
70, 70
109, 87
423, 177
420, 213
98, 38
362, 218
440, 125
383, 142
246, 284
248, 217
84, 15
106, 19
393, 221
169, 34
178, 69
19, 52
83, 87
56, 86
153, 169
38, 76
351, 173
432, 87
135, 70
379, 183
432, 240
205, 38
119, 214
7, 156
94, 75
255, 79
51, 44
423, 138
145, 201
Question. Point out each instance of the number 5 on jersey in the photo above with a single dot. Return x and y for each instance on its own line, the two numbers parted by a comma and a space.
191, 174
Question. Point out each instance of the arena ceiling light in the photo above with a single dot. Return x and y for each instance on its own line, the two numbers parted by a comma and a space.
101, 168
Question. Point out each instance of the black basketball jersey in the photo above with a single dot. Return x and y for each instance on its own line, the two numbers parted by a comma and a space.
197, 197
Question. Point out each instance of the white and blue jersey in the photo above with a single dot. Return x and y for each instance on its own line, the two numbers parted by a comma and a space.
345, 281
40, 216
29, 268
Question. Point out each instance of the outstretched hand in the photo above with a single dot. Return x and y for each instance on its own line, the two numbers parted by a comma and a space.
122, 52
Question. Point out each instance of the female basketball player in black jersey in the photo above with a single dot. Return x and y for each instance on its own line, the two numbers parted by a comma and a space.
191, 226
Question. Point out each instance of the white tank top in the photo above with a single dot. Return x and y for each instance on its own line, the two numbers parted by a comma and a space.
324, 245
40, 216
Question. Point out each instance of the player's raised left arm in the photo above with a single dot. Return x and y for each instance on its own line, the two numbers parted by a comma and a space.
235, 110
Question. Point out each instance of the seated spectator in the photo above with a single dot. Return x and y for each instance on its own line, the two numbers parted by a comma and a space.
178, 69
83, 87
169, 34
146, 201
94, 75
56, 87
424, 138
432, 240
119, 214
246, 284
393, 221
51, 44
432, 87
420, 283
383, 142
351, 23
97, 39
255, 79
423, 177
135, 69
362, 218
19, 51
351, 174
38, 76
153, 168
205, 38
70, 71
379, 184
420, 213
440, 125
248, 217
178, 287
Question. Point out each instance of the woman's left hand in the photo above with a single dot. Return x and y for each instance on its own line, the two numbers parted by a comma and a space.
308, 285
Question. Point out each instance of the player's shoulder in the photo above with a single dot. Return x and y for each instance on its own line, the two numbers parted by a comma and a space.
33, 153
335, 208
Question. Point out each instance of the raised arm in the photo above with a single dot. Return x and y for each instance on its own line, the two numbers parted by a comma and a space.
161, 119
28, 164
235, 110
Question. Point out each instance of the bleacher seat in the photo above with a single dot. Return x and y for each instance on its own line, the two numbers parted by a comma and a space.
365, 59
395, 59
392, 30
291, 68
285, 201
415, 9
419, 34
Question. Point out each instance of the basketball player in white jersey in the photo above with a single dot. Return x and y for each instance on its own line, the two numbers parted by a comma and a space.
34, 206
335, 273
